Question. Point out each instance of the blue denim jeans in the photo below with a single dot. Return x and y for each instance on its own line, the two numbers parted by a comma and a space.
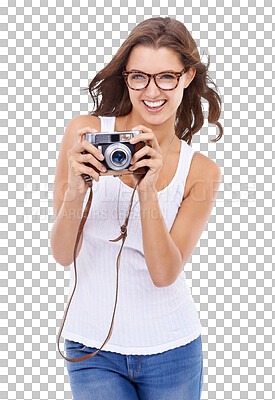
175, 374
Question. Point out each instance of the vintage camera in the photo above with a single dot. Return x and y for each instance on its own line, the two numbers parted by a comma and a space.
117, 151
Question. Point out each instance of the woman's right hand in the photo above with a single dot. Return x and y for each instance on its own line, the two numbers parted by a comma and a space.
76, 161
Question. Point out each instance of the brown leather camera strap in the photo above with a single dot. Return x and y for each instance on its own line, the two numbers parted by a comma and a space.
123, 235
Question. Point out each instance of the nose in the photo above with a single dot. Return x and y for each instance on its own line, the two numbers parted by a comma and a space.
152, 90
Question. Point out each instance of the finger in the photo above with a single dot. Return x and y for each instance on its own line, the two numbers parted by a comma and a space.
81, 133
90, 148
148, 137
152, 164
141, 128
79, 169
89, 158
146, 150
151, 139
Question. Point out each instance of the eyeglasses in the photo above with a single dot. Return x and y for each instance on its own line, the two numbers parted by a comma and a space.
166, 80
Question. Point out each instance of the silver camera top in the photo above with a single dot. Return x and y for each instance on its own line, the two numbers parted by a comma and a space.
111, 137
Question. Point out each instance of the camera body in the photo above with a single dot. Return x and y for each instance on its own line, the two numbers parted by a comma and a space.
117, 151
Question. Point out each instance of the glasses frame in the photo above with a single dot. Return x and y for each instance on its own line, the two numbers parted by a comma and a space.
150, 76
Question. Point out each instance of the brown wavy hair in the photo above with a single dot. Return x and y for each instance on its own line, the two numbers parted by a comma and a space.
110, 88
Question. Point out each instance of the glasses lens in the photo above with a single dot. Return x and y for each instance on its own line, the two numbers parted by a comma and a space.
166, 81
137, 80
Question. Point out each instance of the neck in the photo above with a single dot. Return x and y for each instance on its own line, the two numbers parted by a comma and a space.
164, 132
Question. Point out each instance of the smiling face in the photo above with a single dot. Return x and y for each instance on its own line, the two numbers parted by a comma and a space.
151, 61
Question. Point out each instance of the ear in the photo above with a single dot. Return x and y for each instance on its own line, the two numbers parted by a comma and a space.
190, 75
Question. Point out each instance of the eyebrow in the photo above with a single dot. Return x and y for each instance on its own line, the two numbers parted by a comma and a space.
137, 70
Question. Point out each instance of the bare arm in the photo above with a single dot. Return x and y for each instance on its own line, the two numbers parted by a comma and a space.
65, 228
70, 188
166, 253
161, 253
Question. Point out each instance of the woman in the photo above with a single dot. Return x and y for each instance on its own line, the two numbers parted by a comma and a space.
154, 83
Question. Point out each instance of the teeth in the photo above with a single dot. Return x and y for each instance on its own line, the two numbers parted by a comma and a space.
155, 104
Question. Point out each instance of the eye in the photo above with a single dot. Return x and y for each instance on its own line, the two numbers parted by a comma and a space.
167, 76
137, 76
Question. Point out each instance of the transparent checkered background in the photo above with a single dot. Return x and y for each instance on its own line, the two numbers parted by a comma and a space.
49, 51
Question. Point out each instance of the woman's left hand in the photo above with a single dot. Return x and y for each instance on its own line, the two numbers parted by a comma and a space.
154, 163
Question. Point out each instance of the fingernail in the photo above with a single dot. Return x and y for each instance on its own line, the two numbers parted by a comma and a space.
93, 130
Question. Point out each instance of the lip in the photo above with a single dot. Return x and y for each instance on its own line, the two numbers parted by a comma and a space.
154, 111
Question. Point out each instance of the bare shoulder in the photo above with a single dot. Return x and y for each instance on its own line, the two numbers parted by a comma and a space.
202, 170
74, 125
203, 165
82, 121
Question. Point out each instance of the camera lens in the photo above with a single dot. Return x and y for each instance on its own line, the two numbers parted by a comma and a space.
118, 157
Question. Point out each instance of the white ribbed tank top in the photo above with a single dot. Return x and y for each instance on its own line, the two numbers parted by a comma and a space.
148, 319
